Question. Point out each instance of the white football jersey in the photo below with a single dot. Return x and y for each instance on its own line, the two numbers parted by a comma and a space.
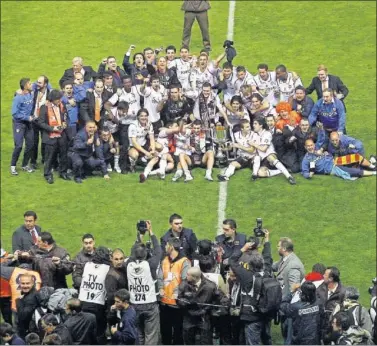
235, 119
244, 141
183, 69
263, 138
267, 87
198, 78
248, 80
133, 100
151, 100
287, 87
139, 132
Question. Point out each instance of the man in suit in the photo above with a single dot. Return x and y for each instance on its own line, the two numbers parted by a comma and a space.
25, 236
78, 66
289, 272
324, 81
86, 150
196, 10
53, 120
91, 109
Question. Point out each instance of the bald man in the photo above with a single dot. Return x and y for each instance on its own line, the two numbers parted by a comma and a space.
316, 162
192, 291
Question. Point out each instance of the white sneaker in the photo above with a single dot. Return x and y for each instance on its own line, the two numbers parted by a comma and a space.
189, 177
117, 169
176, 176
208, 177
161, 175
28, 169
109, 169
13, 170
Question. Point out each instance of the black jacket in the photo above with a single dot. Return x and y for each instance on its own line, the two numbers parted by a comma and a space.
26, 306
133, 71
307, 320
334, 83
42, 122
301, 138
189, 295
82, 327
51, 274
117, 75
89, 75
188, 240
22, 240
115, 280
64, 334
80, 259
87, 109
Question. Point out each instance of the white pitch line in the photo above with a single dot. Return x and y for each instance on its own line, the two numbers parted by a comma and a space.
224, 185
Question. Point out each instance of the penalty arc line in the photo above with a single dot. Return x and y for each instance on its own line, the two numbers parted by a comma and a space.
224, 185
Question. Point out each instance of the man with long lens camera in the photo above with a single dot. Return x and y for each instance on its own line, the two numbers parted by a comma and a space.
141, 271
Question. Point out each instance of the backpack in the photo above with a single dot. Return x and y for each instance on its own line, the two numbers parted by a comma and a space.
268, 294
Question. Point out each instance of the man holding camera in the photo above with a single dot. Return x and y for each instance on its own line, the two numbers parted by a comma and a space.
186, 236
230, 241
141, 271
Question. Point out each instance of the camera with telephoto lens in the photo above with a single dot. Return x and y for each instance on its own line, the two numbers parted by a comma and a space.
259, 231
142, 227
374, 281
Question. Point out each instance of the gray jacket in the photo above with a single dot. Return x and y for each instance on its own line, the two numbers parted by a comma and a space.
195, 6
290, 272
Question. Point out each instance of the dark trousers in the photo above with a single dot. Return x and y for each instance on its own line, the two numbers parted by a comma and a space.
202, 333
231, 330
5, 304
100, 312
51, 151
258, 332
124, 142
71, 132
22, 130
171, 326
37, 131
202, 18
156, 126
91, 164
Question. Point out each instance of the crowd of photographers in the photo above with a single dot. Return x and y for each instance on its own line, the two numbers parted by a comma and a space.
171, 114
176, 290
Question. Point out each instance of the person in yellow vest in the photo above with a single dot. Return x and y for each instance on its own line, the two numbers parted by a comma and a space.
5, 292
53, 121
172, 272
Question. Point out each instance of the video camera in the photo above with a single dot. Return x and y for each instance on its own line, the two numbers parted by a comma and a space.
370, 289
258, 230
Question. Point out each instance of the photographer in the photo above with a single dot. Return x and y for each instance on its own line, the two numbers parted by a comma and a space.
259, 232
186, 236
192, 292
141, 272
230, 241
250, 276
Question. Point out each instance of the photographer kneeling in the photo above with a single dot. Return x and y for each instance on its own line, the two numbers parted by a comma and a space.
141, 271
260, 294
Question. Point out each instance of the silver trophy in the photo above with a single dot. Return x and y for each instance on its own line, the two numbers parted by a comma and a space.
220, 138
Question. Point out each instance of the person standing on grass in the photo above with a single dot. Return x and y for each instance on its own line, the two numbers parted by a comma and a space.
196, 10
53, 120
25, 236
22, 108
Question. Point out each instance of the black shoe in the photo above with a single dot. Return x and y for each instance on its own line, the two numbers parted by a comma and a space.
64, 176
33, 166
142, 178
50, 180
124, 171
292, 180
83, 177
78, 180
254, 177
222, 177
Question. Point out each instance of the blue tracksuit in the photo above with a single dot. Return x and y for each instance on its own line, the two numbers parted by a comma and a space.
343, 149
22, 109
331, 115
127, 333
323, 164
